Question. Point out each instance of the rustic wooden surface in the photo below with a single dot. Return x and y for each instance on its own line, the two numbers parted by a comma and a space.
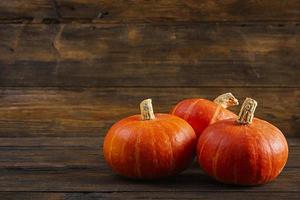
70, 68
114, 11
189, 55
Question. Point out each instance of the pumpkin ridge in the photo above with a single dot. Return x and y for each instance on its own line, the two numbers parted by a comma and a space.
123, 147
202, 147
216, 113
248, 135
137, 154
180, 130
172, 161
258, 159
270, 161
175, 108
235, 168
155, 161
110, 150
179, 127
190, 108
113, 138
255, 150
216, 157
275, 132
175, 124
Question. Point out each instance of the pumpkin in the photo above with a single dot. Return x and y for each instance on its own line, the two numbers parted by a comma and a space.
244, 150
149, 146
200, 113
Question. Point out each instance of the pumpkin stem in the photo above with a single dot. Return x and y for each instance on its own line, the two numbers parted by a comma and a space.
247, 111
226, 100
147, 110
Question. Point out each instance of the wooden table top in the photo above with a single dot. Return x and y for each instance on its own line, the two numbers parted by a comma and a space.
69, 69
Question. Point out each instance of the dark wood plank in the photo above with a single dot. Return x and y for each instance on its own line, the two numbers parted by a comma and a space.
87, 143
19, 10
35, 112
76, 153
77, 165
150, 55
99, 180
150, 11
52, 153
51, 159
151, 195
180, 11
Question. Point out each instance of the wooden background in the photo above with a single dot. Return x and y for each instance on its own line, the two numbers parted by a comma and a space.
71, 68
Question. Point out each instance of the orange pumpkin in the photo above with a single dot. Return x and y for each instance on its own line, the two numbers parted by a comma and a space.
200, 113
243, 151
149, 146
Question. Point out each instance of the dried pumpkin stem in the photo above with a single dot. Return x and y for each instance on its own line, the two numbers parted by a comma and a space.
147, 110
247, 111
226, 100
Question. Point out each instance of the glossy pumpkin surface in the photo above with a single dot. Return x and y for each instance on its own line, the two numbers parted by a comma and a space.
200, 113
249, 154
150, 149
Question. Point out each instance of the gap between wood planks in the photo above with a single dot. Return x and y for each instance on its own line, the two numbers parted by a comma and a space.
60, 88
31, 20
62, 112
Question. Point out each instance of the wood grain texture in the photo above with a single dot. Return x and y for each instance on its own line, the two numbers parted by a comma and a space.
76, 165
90, 112
99, 180
69, 69
76, 153
112, 11
150, 195
150, 55
20, 10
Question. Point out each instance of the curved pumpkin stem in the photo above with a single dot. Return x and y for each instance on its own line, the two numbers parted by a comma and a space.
247, 111
147, 110
226, 100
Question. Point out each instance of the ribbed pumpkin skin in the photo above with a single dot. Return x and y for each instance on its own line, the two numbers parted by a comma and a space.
250, 154
150, 149
199, 113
